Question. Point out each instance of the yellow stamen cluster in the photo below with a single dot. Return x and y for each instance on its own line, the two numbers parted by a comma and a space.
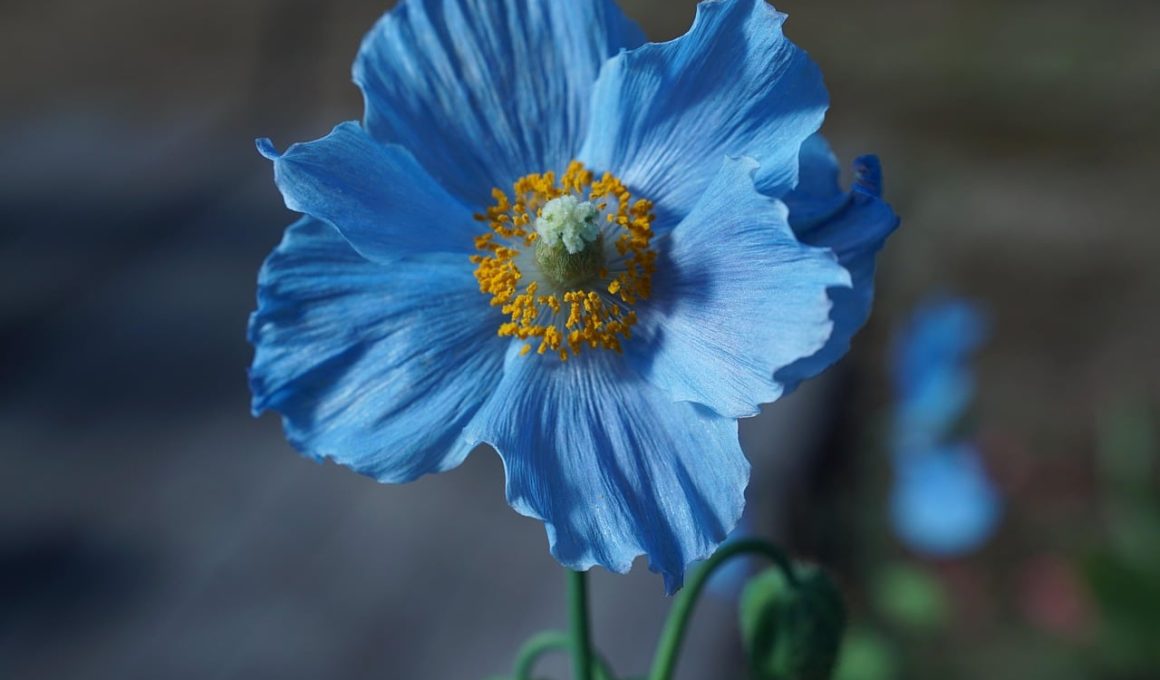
563, 319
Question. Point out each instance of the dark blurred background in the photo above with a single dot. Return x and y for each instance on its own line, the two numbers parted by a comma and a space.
149, 528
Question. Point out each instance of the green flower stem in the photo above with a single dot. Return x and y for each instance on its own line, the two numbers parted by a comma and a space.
533, 649
669, 647
578, 610
552, 641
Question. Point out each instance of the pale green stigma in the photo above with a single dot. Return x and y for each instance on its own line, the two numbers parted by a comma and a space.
570, 269
568, 221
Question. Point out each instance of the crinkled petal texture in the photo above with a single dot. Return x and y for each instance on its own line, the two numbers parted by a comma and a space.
612, 465
736, 298
376, 366
664, 115
855, 225
486, 91
378, 196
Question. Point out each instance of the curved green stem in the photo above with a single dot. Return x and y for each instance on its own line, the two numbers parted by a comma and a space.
537, 646
552, 641
669, 647
578, 613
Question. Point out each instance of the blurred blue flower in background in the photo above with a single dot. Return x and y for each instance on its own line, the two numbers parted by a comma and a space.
943, 504
933, 380
598, 191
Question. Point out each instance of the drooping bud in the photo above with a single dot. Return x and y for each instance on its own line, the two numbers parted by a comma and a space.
792, 632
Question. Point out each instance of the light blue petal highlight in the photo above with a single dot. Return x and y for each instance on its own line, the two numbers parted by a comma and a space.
378, 196
613, 466
943, 504
377, 367
736, 297
855, 226
486, 91
664, 115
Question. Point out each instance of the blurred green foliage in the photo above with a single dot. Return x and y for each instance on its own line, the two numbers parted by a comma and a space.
911, 598
1124, 574
866, 655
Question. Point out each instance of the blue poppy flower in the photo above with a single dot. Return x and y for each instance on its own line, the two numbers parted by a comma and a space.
553, 238
943, 504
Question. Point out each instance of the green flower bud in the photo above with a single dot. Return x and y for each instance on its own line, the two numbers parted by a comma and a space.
792, 632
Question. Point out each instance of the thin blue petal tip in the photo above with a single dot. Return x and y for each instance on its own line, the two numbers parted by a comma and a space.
266, 148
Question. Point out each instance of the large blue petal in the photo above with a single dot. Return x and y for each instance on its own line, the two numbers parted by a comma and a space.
377, 196
664, 115
735, 298
376, 366
855, 226
486, 91
612, 465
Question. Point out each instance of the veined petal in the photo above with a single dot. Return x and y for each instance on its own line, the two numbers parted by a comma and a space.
486, 91
855, 225
376, 366
378, 196
736, 297
663, 115
612, 465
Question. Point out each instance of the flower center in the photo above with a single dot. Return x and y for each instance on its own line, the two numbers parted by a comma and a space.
566, 278
567, 221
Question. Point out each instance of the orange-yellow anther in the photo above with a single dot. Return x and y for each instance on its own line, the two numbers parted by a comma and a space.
596, 314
